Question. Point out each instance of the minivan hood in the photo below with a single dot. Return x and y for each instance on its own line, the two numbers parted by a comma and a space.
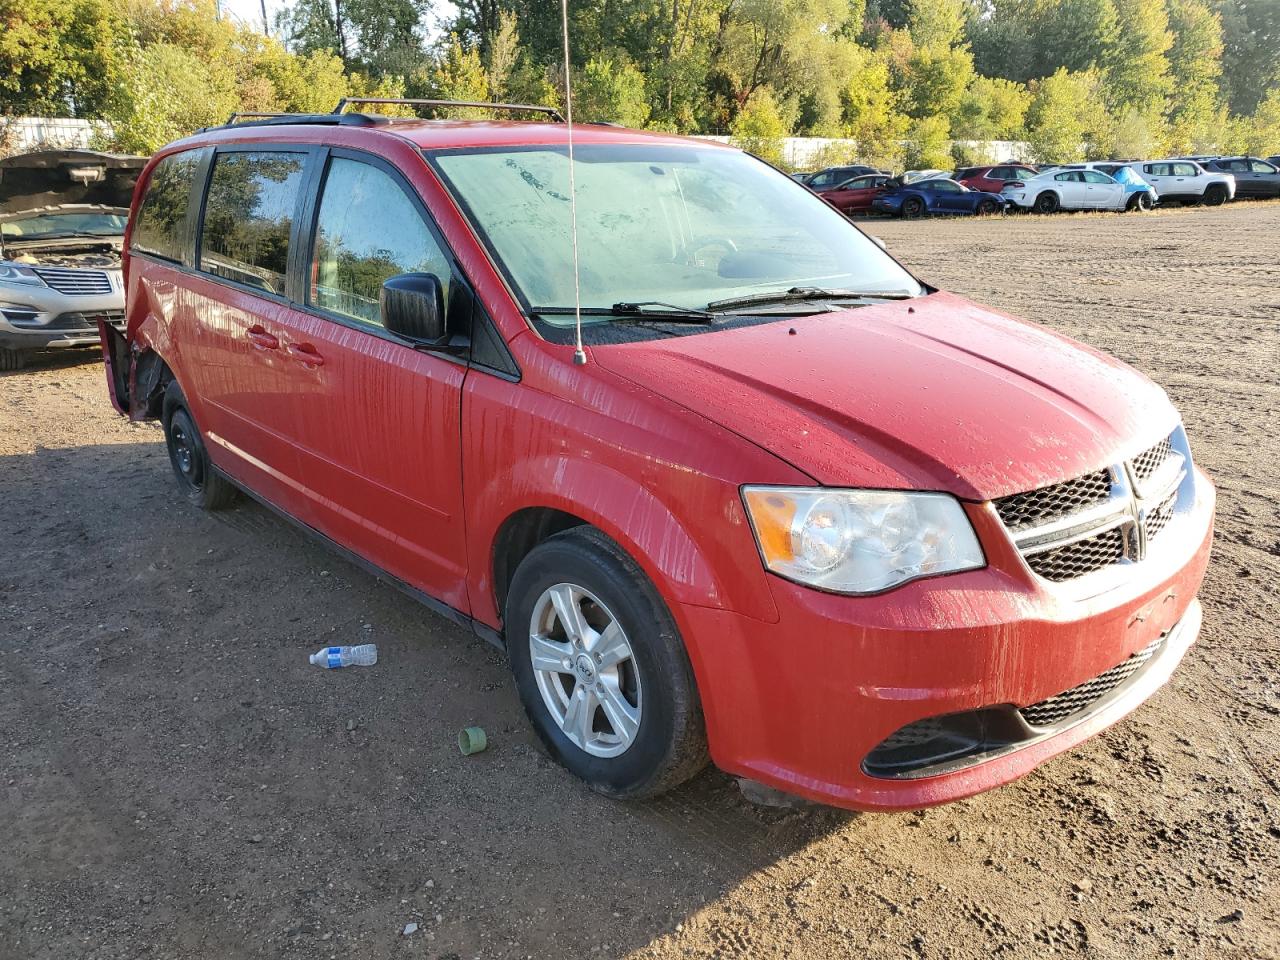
934, 393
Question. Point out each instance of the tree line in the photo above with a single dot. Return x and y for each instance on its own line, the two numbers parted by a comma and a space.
909, 80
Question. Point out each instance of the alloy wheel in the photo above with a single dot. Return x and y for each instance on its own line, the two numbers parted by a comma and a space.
585, 670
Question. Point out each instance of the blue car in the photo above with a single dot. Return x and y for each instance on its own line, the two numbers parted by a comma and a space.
935, 195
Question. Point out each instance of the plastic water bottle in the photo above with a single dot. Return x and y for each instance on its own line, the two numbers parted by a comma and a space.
364, 655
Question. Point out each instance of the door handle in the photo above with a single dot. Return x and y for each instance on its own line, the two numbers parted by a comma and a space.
262, 340
307, 354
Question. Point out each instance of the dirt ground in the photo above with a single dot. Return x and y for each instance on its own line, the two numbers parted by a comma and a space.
178, 782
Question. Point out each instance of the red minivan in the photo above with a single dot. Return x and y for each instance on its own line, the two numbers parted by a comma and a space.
788, 508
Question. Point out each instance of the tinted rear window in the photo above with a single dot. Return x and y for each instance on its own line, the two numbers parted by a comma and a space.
161, 225
253, 198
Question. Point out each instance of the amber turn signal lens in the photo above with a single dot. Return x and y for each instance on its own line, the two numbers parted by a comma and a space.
773, 515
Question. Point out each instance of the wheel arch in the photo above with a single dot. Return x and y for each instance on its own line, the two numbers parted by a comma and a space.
541, 497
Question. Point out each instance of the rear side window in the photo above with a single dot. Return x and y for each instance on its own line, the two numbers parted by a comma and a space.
1185, 170
161, 225
248, 216
367, 231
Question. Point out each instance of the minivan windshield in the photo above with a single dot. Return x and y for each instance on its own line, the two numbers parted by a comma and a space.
684, 226
50, 225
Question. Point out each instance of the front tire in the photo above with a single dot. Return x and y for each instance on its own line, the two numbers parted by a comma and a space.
601, 669
12, 359
986, 208
203, 485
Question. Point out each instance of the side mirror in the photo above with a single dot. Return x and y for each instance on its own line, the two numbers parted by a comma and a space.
412, 306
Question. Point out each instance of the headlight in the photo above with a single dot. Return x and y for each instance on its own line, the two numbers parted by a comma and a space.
860, 541
17, 273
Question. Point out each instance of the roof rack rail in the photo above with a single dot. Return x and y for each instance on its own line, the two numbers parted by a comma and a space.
551, 112
255, 119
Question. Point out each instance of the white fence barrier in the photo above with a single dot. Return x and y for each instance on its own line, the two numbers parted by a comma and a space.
23, 134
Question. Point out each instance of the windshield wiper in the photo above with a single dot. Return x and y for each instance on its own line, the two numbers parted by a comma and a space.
641, 312
805, 293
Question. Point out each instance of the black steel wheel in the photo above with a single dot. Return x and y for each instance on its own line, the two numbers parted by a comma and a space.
202, 484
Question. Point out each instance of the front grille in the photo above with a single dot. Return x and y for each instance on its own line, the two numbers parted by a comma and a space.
1036, 507
1159, 518
1081, 557
75, 282
1046, 713
1111, 514
1145, 464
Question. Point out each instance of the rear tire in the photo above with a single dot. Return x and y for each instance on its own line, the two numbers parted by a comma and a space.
613, 696
12, 359
202, 484
1047, 203
912, 207
1215, 196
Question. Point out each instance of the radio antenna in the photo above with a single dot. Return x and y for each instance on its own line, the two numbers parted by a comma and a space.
579, 354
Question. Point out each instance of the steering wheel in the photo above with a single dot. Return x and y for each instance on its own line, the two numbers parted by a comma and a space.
693, 254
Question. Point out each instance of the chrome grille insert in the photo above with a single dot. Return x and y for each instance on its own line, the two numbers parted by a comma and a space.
1069, 530
75, 282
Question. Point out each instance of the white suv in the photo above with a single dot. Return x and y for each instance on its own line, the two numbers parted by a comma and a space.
1186, 181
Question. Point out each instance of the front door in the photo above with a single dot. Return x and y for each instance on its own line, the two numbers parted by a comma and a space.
377, 421
1103, 192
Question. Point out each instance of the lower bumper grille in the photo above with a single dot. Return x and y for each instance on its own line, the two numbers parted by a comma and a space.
932, 746
85, 322
1070, 702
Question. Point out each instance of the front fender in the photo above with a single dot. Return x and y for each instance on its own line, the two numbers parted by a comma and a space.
641, 523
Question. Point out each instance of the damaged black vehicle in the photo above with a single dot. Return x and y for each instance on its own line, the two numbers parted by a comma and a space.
62, 224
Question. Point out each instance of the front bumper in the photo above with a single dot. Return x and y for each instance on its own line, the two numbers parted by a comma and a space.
801, 704
38, 318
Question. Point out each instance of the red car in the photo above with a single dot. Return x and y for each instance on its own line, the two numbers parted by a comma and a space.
780, 505
855, 195
992, 179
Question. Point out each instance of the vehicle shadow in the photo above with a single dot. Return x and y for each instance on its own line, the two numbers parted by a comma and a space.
57, 360
174, 749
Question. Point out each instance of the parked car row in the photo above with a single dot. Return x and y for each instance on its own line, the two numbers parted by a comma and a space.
1119, 185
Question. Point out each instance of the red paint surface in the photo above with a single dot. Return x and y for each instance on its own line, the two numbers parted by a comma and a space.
415, 463
854, 200
981, 180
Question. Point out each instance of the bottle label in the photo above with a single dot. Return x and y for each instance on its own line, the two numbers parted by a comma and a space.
334, 657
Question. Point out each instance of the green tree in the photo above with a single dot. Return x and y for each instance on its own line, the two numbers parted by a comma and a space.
929, 145
1136, 64
1068, 120
1251, 51
1195, 61
611, 90
871, 112
165, 93
759, 128
456, 74
992, 109
58, 57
